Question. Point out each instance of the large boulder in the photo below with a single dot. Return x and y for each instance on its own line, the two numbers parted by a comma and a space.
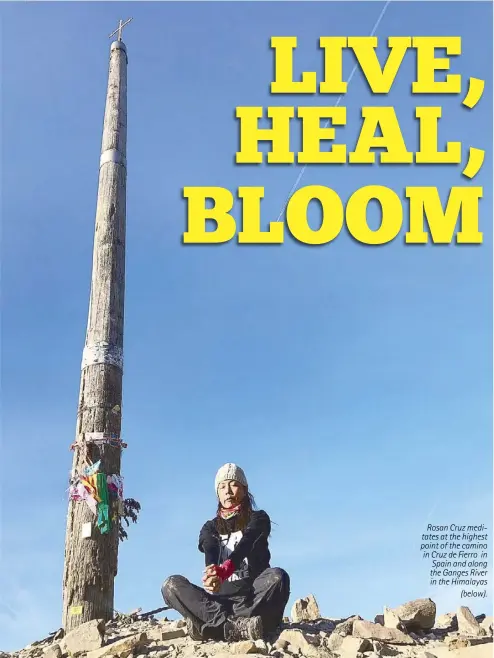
417, 615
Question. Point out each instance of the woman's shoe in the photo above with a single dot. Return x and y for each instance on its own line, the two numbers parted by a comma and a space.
243, 628
193, 631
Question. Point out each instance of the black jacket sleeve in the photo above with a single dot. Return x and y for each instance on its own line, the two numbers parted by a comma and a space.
258, 529
209, 543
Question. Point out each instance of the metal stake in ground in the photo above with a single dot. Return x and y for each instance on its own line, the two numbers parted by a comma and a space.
91, 561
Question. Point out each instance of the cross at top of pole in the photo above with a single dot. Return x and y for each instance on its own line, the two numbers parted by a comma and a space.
119, 29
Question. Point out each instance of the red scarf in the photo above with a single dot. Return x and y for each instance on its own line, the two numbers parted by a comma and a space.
228, 513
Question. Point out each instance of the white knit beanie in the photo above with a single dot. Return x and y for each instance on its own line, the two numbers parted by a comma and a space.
229, 472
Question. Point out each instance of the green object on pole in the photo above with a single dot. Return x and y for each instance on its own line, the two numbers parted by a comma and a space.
104, 522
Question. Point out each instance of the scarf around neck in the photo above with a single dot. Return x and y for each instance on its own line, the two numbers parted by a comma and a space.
230, 512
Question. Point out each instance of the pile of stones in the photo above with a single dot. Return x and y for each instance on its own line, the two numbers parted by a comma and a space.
411, 630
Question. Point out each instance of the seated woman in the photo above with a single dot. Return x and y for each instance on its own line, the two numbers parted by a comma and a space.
243, 597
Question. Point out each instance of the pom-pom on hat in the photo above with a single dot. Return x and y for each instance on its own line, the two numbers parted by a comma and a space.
229, 472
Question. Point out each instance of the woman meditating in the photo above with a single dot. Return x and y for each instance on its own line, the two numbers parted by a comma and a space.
243, 598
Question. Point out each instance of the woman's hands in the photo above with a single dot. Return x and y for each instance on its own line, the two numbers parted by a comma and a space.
210, 580
214, 575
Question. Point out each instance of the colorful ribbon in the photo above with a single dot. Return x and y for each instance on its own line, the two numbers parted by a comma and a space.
104, 523
95, 488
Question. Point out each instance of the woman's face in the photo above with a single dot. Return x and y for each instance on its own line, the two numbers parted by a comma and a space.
230, 493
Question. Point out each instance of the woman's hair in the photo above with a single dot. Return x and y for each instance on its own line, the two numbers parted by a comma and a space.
241, 519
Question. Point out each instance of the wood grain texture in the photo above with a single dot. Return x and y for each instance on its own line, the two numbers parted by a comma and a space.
91, 564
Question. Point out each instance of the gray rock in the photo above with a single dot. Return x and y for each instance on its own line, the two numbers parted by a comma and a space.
419, 614
334, 642
416, 638
224, 654
467, 624
86, 637
122, 648
353, 645
391, 619
463, 642
487, 625
303, 642
261, 647
369, 631
247, 646
382, 649
447, 622
53, 651
173, 634
346, 627
281, 644
305, 609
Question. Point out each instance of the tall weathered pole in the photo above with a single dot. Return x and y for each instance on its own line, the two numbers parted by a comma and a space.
91, 561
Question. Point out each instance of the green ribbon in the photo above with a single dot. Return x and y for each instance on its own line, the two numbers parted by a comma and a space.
104, 522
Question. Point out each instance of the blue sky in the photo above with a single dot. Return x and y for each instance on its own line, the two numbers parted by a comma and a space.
352, 383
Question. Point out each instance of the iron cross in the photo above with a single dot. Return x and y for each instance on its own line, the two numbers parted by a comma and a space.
119, 29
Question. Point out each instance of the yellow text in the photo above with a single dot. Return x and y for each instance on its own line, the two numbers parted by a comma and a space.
380, 129
379, 77
427, 216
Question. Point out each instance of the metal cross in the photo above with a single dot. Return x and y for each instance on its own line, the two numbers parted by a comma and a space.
119, 29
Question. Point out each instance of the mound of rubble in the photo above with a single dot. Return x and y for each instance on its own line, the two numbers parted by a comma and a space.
411, 630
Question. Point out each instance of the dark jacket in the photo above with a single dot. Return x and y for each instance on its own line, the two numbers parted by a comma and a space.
248, 549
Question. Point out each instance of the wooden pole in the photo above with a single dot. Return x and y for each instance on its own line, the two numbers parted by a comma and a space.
91, 562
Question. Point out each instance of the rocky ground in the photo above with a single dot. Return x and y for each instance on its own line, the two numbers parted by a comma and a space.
409, 631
